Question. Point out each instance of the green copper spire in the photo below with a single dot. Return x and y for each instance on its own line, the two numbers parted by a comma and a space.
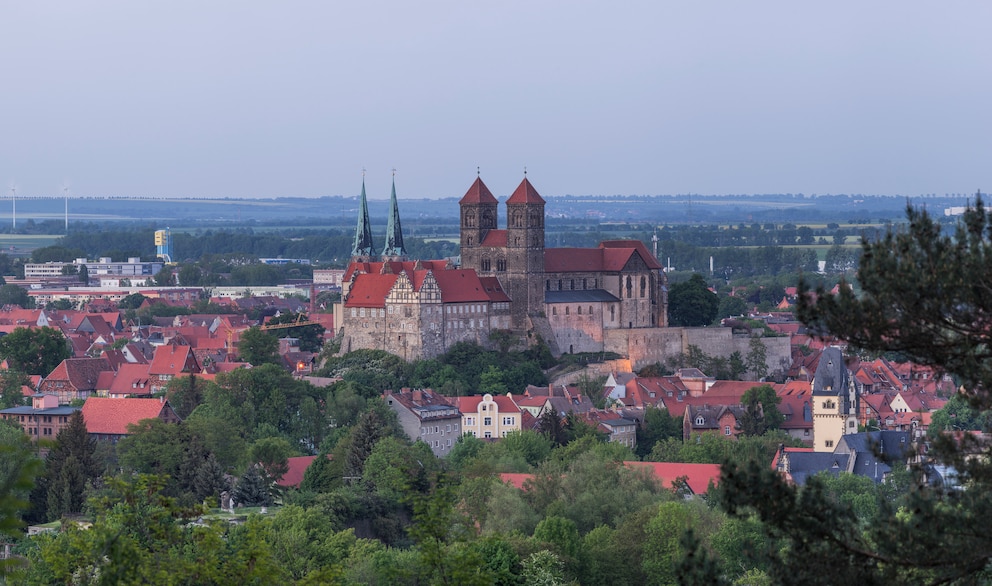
363, 233
394, 233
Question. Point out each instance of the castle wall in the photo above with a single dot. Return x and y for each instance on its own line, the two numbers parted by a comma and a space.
646, 346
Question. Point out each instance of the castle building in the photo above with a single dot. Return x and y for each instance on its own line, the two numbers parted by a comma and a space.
575, 299
835, 401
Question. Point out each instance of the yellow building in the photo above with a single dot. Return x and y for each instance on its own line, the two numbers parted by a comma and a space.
489, 417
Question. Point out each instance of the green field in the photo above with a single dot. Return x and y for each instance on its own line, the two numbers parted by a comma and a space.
24, 244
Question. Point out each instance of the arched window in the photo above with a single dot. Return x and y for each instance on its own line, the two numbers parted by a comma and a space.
470, 219
590, 310
630, 286
566, 310
500, 265
486, 264
571, 284
644, 284
579, 311
613, 312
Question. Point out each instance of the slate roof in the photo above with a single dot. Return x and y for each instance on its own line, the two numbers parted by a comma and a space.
580, 296
81, 373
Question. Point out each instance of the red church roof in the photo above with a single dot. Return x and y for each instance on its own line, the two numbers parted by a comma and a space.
525, 193
478, 193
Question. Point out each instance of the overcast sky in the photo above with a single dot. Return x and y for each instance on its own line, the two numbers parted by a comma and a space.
260, 99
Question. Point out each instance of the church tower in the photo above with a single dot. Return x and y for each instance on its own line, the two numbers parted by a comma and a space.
363, 249
394, 232
478, 217
525, 251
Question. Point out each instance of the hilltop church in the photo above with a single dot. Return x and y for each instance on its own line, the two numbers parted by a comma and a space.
612, 298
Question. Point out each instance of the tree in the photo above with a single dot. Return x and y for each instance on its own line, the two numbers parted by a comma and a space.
692, 304
18, 467
757, 359
69, 466
34, 350
165, 277
311, 337
924, 295
132, 301
760, 410
252, 489
15, 295
258, 347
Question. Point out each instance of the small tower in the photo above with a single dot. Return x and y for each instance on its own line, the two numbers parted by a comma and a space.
394, 232
364, 249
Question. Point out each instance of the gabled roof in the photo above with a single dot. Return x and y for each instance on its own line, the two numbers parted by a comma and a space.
494, 289
470, 404
131, 379
171, 360
112, 416
460, 286
297, 468
478, 193
81, 373
611, 256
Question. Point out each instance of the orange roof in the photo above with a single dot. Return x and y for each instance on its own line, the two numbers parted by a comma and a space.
698, 476
478, 193
517, 480
131, 379
112, 416
611, 256
297, 467
470, 404
525, 193
170, 359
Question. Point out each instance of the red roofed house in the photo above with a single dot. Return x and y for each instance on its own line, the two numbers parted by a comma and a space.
169, 362
698, 477
107, 419
488, 417
74, 378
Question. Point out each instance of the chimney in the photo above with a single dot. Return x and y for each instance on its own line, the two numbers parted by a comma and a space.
418, 395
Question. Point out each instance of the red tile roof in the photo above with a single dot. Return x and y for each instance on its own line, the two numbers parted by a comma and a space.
171, 360
297, 468
470, 404
514, 479
131, 379
496, 239
611, 256
525, 193
81, 373
478, 193
112, 416
698, 476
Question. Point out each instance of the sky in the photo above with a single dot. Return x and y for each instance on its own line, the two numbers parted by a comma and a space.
277, 99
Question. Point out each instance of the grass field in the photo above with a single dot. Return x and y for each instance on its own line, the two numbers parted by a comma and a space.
24, 244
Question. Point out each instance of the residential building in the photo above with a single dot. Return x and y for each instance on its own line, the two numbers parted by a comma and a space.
45, 418
426, 416
489, 417
74, 379
108, 419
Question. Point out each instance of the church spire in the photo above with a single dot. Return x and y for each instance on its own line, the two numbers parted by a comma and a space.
394, 232
363, 248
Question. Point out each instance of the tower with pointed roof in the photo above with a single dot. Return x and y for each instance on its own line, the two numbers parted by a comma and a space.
363, 249
394, 232
525, 251
478, 218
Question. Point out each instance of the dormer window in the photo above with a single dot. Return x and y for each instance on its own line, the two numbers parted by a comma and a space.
700, 420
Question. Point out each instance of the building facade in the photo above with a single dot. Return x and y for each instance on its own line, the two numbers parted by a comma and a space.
576, 299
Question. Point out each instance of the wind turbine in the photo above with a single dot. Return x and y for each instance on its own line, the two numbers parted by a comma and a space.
65, 193
13, 208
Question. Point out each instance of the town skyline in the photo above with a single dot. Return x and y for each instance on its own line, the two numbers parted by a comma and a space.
257, 100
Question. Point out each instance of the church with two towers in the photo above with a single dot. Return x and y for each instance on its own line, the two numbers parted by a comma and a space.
609, 298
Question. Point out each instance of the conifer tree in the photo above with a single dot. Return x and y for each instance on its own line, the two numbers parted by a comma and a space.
252, 489
69, 466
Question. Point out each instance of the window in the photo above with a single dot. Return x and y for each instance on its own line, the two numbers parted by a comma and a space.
487, 421
700, 420
449, 428
361, 312
829, 443
354, 312
508, 420
850, 423
566, 310
488, 435
726, 430
580, 310
486, 264
470, 421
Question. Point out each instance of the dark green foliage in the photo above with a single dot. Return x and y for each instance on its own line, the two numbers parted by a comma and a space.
210, 480
760, 410
372, 371
252, 489
310, 336
34, 350
658, 425
18, 467
258, 347
69, 466
958, 415
692, 304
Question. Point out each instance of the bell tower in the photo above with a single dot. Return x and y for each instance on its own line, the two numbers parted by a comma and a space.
478, 216
525, 251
